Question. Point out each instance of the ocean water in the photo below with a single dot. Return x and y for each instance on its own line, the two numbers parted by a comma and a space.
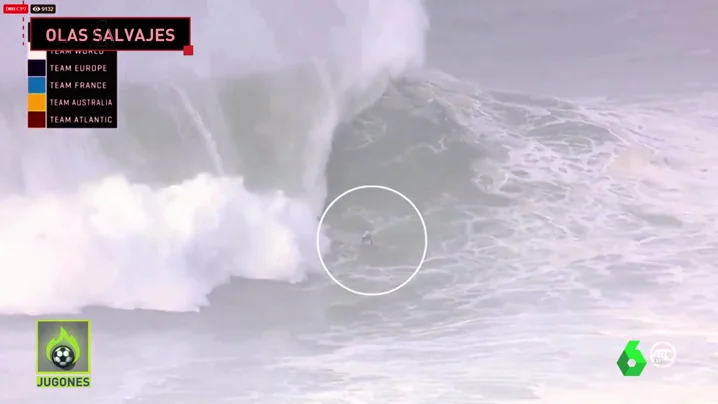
562, 156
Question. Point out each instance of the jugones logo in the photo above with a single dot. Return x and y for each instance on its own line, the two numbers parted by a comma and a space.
63, 350
63, 353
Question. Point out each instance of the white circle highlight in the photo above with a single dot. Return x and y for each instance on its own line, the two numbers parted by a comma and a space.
418, 267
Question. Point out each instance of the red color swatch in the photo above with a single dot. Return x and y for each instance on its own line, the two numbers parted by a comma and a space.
36, 120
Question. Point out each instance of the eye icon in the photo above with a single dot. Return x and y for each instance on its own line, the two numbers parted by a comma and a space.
36, 9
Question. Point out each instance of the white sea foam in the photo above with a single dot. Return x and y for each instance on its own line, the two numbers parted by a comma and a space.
124, 245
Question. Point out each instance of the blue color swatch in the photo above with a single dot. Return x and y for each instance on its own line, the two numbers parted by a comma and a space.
36, 85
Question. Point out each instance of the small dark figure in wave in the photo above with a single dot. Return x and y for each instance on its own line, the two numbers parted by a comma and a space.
366, 238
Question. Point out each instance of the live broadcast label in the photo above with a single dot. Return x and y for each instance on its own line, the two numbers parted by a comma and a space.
81, 89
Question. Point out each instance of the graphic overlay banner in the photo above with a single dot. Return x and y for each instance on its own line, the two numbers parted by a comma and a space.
64, 354
81, 89
110, 33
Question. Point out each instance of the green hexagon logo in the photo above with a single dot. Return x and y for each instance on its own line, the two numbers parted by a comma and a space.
631, 362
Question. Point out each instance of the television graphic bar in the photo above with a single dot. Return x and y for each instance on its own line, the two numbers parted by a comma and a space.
72, 63
111, 34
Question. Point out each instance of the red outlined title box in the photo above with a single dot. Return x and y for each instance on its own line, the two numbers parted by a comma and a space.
111, 34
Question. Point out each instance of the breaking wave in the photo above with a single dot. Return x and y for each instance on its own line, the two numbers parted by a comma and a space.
218, 168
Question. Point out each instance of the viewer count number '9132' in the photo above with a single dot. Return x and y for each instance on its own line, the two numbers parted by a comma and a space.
43, 9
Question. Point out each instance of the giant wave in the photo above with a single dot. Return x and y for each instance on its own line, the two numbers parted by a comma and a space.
217, 170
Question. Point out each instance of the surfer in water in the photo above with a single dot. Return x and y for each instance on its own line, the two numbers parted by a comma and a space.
366, 238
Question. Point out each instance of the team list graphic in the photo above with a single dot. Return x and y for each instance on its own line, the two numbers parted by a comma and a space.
72, 64
81, 89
